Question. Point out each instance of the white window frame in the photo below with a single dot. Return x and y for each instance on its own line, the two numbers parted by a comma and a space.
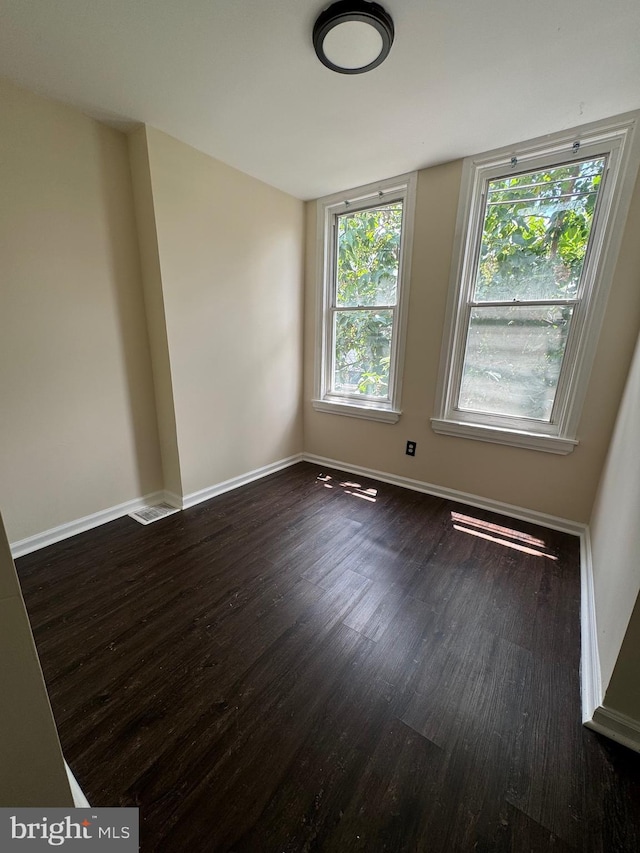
618, 140
402, 188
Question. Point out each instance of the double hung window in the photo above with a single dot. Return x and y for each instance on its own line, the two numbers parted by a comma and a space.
364, 240
538, 230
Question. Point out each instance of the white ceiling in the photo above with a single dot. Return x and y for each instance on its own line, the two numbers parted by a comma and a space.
239, 79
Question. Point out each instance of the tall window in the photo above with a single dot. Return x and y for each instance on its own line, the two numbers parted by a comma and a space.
536, 252
365, 252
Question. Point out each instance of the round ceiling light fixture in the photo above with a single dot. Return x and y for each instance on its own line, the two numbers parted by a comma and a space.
353, 36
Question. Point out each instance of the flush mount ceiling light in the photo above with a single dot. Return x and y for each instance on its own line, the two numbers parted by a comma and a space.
353, 36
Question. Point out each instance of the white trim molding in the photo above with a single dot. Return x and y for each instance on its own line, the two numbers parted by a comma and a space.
575, 528
329, 209
372, 413
498, 435
80, 525
173, 499
95, 519
235, 482
616, 143
88, 522
79, 799
595, 714
590, 678
617, 726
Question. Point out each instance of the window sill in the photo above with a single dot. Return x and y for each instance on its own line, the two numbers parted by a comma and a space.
498, 435
351, 410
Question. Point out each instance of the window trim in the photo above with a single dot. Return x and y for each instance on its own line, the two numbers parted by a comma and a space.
619, 140
402, 188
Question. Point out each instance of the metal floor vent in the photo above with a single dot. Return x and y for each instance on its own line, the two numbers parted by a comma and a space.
149, 514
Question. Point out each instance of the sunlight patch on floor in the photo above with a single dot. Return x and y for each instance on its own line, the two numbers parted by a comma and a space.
349, 488
506, 536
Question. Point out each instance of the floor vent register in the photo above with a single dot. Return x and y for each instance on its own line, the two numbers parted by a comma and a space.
149, 514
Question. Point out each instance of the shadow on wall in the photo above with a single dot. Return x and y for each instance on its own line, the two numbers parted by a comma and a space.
125, 266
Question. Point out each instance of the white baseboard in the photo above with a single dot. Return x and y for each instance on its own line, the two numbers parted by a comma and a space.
575, 528
79, 799
590, 678
88, 522
235, 482
617, 726
80, 525
595, 715
172, 499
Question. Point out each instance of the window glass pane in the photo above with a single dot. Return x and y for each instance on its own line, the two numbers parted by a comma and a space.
368, 251
362, 352
513, 358
535, 232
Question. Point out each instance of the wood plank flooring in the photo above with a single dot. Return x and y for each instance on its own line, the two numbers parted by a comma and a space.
317, 662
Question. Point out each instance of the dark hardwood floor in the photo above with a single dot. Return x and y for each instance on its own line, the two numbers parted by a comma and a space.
305, 664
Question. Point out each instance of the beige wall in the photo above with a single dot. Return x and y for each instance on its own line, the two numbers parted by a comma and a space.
89, 418
623, 692
155, 310
230, 253
615, 538
563, 486
77, 420
32, 772
221, 255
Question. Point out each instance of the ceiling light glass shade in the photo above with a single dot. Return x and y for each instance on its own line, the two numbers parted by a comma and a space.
353, 36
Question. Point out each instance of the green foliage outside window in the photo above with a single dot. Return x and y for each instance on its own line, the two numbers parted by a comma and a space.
367, 259
536, 231
534, 246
